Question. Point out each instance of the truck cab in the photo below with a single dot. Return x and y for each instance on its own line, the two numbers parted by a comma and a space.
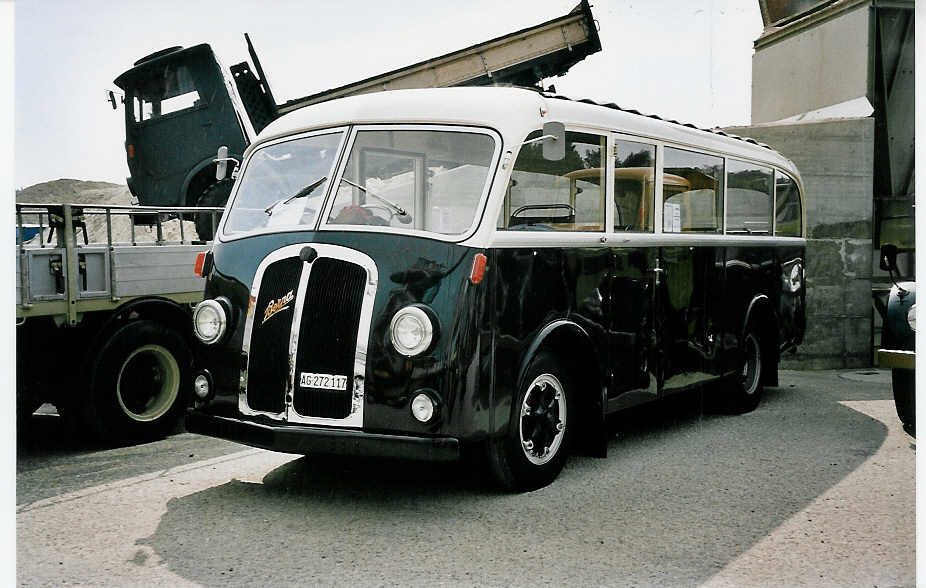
171, 97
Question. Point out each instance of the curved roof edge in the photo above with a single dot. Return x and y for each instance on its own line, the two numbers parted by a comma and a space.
613, 106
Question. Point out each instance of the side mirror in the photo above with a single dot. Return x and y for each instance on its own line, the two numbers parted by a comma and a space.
889, 258
221, 163
554, 145
112, 98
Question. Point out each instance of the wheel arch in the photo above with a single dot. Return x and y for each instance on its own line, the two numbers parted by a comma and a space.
577, 352
200, 177
761, 315
163, 310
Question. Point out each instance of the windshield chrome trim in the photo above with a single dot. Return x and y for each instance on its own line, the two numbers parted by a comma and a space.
478, 213
224, 237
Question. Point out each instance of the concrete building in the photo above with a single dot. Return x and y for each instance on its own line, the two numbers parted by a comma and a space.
832, 90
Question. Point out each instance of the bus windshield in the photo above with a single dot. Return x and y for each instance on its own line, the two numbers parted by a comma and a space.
429, 180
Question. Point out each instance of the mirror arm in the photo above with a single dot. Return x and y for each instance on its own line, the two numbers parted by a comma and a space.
538, 139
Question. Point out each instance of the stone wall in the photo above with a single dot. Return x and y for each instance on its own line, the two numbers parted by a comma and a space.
835, 158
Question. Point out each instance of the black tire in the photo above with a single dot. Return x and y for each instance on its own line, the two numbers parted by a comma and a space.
744, 389
903, 382
215, 195
535, 449
26, 404
139, 383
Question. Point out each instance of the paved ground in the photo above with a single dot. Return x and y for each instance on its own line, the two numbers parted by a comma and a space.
815, 488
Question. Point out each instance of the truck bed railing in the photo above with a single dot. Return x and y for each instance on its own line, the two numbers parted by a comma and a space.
74, 258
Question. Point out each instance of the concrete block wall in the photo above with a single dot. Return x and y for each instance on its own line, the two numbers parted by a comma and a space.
836, 161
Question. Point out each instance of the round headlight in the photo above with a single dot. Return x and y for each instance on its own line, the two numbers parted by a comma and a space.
209, 321
911, 317
411, 331
422, 407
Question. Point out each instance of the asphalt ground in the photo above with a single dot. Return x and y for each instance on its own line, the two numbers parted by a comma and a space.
814, 488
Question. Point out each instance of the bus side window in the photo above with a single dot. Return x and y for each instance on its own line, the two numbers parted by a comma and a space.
634, 186
787, 207
749, 198
692, 192
566, 195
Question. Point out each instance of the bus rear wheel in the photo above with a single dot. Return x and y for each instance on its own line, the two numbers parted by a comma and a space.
744, 390
536, 447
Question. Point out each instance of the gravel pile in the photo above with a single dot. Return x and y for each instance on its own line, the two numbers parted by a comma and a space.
79, 192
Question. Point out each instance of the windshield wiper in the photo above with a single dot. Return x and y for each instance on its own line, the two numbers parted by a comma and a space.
398, 209
303, 192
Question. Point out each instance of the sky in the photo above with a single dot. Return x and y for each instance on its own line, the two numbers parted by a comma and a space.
684, 59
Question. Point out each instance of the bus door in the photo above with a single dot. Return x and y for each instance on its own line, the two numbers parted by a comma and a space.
689, 296
690, 275
632, 335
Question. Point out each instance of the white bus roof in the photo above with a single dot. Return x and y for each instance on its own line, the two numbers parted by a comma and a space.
513, 112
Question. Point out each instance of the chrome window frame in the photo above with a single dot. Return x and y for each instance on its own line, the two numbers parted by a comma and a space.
322, 223
339, 153
507, 239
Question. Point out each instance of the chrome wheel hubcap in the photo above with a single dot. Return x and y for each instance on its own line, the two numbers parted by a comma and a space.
542, 422
752, 364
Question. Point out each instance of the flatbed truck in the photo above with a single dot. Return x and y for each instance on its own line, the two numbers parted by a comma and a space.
102, 326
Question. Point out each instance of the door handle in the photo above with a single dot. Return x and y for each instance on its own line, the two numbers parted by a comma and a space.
658, 271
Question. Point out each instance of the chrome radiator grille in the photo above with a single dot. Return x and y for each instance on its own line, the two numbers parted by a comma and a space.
309, 318
328, 335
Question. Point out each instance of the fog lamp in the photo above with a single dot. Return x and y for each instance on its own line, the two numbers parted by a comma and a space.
202, 385
911, 317
423, 407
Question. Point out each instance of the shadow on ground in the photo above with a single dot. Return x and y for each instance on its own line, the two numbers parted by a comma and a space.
681, 495
53, 458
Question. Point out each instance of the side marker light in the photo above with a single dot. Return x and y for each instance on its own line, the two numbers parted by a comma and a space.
479, 268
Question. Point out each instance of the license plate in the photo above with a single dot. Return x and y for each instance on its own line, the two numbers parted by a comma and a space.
323, 381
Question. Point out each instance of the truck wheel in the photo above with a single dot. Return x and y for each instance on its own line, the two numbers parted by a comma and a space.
903, 383
26, 403
535, 449
140, 382
215, 195
744, 389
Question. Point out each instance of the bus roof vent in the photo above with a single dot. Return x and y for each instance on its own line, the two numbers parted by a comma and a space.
612, 105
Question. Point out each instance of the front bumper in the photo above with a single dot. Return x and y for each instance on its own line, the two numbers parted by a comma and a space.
321, 440
891, 358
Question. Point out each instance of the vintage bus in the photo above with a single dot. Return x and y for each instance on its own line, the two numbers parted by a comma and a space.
417, 273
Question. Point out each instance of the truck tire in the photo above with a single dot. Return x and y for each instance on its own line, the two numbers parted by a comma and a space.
139, 383
26, 403
903, 384
542, 424
215, 195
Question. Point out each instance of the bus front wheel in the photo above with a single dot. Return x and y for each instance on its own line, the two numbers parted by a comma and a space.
535, 449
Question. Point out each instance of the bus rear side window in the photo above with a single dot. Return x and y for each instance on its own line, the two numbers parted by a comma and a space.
692, 192
634, 186
749, 198
787, 207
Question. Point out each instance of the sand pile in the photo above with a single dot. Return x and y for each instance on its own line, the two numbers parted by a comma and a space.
77, 192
